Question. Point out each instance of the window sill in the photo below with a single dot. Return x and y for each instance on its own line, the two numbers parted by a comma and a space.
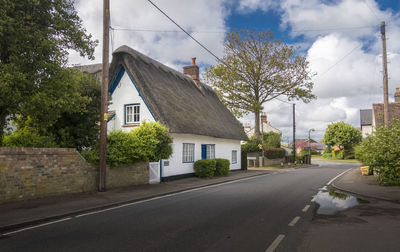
130, 125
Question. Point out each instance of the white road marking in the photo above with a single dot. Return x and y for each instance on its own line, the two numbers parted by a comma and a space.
41, 225
275, 243
134, 203
170, 195
338, 176
313, 199
294, 221
306, 208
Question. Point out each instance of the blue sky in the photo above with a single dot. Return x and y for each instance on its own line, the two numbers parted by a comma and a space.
340, 39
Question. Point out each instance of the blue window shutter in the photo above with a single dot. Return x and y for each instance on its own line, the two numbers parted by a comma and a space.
203, 151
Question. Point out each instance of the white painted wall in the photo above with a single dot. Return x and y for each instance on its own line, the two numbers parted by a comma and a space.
126, 93
366, 130
223, 149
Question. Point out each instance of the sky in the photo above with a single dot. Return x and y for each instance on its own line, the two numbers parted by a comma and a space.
340, 39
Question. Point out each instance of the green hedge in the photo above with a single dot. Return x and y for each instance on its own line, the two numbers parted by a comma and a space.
27, 137
274, 153
222, 167
205, 168
149, 142
381, 152
251, 146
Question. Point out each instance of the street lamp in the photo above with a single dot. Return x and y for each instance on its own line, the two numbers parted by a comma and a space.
309, 143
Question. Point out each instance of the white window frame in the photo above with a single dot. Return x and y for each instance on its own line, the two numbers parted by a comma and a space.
234, 156
188, 152
132, 113
210, 151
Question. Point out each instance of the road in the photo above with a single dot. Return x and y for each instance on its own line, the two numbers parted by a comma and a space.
254, 214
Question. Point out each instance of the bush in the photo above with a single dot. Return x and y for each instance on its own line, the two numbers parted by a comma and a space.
251, 146
272, 139
27, 137
148, 142
382, 153
274, 153
222, 166
205, 168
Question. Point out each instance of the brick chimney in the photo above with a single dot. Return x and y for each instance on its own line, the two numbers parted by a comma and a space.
263, 117
193, 71
397, 95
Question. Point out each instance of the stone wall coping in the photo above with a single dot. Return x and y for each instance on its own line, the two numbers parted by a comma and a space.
36, 151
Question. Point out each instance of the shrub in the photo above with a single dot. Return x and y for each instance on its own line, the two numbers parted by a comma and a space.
222, 166
26, 137
204, 168
274, 153
148, 142
272, 139
251, 146
382, 153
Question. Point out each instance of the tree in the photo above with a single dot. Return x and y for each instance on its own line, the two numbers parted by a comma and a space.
343, 135
65, 117
272, 139
256, 69
35, 37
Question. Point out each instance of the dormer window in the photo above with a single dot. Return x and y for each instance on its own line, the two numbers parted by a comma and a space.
132, 113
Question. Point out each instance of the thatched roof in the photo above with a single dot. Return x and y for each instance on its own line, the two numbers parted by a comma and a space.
174, 98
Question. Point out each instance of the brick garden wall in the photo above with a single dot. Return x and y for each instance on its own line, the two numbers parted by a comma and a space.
27, 173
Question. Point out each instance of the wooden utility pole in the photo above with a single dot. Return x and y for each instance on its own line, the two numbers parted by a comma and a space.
104, 94
385, 77
294, 132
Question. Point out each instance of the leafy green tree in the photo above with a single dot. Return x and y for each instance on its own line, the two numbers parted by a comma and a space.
272, 139
343, 135
257, 69
35, 37
68, 114
381, 152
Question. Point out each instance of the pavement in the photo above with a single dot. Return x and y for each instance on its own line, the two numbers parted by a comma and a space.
355, 183
21, 214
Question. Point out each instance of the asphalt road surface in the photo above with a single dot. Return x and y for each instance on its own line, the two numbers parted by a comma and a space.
255, 214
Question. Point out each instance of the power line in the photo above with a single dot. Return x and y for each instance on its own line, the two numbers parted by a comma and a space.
372, 11
284, 101
335, 29
158, 31
340, 60
200, 44
220, 32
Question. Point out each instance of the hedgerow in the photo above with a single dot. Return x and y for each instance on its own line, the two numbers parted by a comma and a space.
148, 142
381, 152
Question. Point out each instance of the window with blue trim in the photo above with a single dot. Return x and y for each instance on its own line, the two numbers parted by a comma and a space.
208, 151
132, 113
188, 153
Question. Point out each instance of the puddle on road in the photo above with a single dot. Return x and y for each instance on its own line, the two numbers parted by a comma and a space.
331, 202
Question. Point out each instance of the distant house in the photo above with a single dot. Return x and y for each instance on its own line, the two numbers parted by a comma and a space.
143, 89
264, 127
302, 144
372, 118
366, 122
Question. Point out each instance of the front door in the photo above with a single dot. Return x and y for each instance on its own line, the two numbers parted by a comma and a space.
204, 151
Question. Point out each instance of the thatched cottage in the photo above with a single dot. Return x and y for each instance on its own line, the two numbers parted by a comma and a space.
143, 89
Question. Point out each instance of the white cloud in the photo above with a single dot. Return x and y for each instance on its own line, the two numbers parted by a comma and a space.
253, 5
313, 18
205, 16
348, 61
